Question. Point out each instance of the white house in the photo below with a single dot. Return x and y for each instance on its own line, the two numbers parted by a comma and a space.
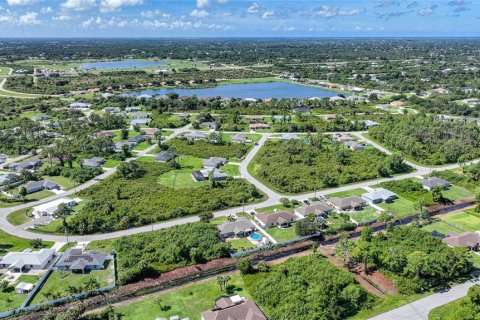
379, 195
27, 259
47, 209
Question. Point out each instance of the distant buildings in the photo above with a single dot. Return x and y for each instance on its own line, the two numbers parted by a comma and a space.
80, 106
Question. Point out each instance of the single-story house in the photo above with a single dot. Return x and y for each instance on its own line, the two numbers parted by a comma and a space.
214, 162
433, 182
369, 123
397, 103
105, 134
290, 136
354, 145
379, 195
336, 98
8, 178
165, 156
23, 287
119, 145
80, 106
465, 239
256, 126
151, 131
234, 307
340, 137
196, 135
140, 122
208, 124
349, 203
47, 209
34, 186
254, 118
204, 175
112, 110
140, 115
385, 107
240, 228
27, 260
301, 110
184, 116
133, 109
77, 261
95, 162
317, 208
278, 219
239, 138
137, 139
33, 163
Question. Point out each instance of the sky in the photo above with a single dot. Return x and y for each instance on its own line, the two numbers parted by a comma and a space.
239, 18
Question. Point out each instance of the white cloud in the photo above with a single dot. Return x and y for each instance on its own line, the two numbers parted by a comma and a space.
20, 2
201, 14
91, 22
203, 3
113, 5
62, 18
330, 12
29, 18
78, 5
150, 13
427, 11
268, 15
46, 10
254, 8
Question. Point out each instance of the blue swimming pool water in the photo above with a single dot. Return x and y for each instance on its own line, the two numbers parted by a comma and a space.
256, 236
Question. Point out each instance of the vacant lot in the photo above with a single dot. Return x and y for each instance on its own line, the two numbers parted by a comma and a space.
464, 220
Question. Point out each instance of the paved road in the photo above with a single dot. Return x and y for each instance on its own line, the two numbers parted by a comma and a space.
419, 310
273, 197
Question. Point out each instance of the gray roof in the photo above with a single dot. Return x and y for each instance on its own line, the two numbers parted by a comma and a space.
275, 218
239, 138
137, 139
93, 162
8, 177
433, 182
380, 193
347, 202
41, 184
244, 310
28, 257
75, 258
196, 135
165, 156
217, 174
214, 162
241, 225
315, 208
290, 136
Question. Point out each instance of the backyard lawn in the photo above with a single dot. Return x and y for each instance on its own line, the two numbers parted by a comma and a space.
146, 159
141, 146
440, 227
241, 244
400, 206
367, 214
65, 183
10, 300
35, 195
282, 234
111, 163
463, 220
118, 134
349, 193
457, 193
231, 169
59, 281
189, 301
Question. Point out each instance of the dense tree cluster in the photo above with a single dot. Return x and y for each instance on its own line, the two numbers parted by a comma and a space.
121, 202
307, 288
298, 166
148, 254
429, 140
414, 259
206, 149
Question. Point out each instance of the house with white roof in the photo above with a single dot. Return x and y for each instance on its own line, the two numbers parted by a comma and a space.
47, 209
27, 260
379, 195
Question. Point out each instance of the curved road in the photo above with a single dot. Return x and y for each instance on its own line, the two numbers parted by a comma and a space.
273, 197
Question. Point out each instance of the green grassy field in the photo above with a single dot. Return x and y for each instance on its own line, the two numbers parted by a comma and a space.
400, 206
111, 163
250, 136
278, 207
118, 134
20, 216
10, 300
282, 234
67, 246
442, 312
367, 214
10, 243
146, 159
349, 193
141, 146
101, 245
64, 182
457, 193
189, 301
3, 71
182, 178
59, 282
231, 169
463, 220
241, 244
31, 114
35, 195
440, 227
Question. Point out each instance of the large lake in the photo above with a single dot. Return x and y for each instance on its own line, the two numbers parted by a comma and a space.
120, 64
248, 90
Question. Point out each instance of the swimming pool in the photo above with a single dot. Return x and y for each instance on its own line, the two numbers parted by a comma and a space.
256, 237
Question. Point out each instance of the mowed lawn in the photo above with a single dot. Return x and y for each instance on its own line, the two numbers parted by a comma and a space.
241, 244
10, 300
11, 243
401, 207
64, 182
368, 213
182, 178
59, 281
189, 301
349, 193
463, 220
278, 207
444, 311
282, 234
457, 193
440, 227
20, 216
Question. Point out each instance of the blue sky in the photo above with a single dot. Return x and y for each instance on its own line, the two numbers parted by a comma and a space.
239, 18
